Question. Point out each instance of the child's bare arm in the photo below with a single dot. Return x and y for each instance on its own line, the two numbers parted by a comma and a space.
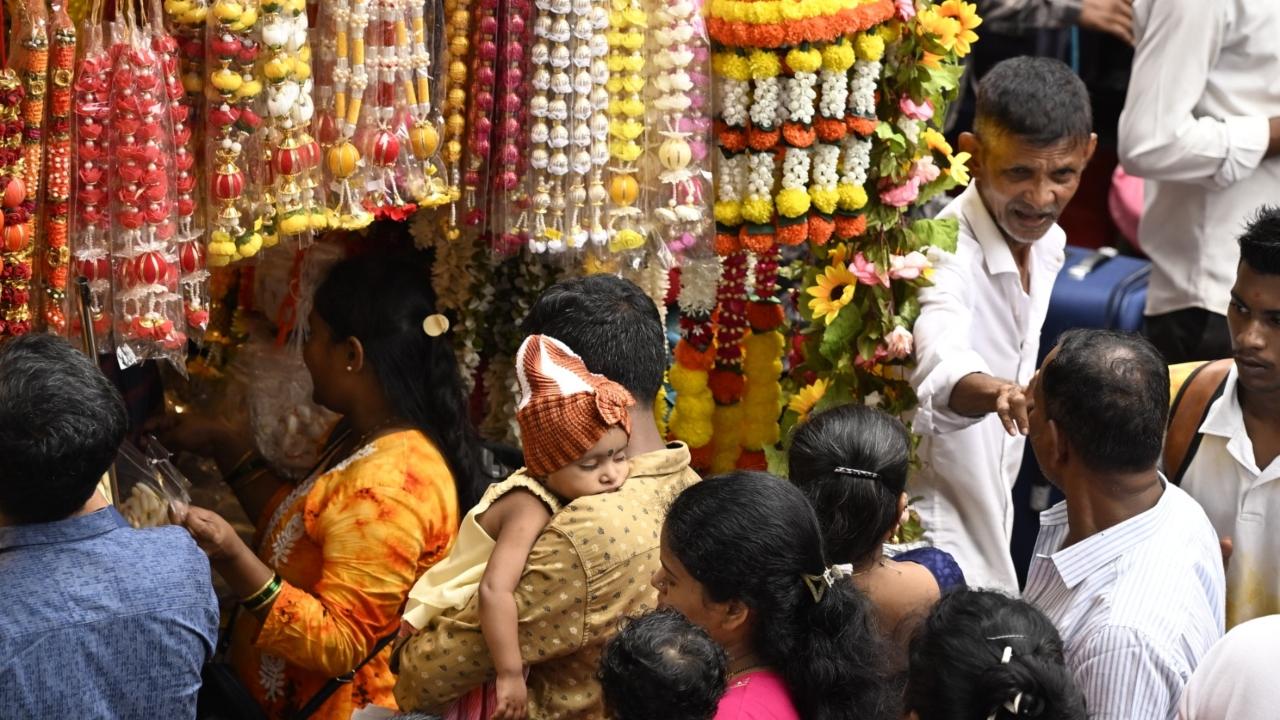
515, 521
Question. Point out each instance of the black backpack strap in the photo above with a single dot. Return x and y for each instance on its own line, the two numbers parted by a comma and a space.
1190, 409
332, 686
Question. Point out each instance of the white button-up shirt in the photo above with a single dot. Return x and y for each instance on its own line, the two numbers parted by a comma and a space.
1205, 81
1138, 604
976, 318
1243, 502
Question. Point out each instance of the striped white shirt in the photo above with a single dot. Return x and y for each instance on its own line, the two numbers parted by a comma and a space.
1138, 605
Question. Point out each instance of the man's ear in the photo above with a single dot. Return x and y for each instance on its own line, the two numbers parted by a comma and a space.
1093, 146
1059, 447
968, 142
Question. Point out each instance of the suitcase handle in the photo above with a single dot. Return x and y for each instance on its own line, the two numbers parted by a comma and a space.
1087, 265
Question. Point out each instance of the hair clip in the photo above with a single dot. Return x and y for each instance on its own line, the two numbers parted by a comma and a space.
818, 584
435, 325
1013, 705
855, 472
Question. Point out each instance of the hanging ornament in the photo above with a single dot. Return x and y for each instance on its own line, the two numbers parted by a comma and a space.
58, 170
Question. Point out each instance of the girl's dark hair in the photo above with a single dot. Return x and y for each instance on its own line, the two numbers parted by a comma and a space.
854, 508
660, 665
381, 299
752, 537
956, 671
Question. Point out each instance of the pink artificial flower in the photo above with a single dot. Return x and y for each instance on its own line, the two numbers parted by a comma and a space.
923, 111
867, 272
899, 343
902, 195
906, 9
911, 266
925, 170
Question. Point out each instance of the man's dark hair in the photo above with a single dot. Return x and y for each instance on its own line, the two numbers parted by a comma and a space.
1260, 243
612, 325
662, 666
1038, 99
61, 424
1109, 394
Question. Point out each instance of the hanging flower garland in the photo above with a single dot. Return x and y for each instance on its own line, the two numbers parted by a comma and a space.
58, 171
15, 275
691, 417
90, 218
294, 155
512, 225
425, 122
387, 158
540, 178
232, 119
862, 295
678, 110
350, 78
458, 16
626, 125
762, 366
480, 122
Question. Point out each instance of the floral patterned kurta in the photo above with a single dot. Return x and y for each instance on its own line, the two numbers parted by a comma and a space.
348, 544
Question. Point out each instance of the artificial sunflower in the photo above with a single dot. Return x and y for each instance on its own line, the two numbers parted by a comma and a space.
936, 142
943, 29
834, 290
967, 15
803, 402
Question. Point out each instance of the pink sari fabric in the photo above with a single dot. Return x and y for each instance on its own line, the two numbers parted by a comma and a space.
759, 695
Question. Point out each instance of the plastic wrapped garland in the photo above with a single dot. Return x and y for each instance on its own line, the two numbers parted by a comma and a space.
57, 206
232, 123
382, 134
148, 306
153, 491
626, 85
679, 117
480, 118
511, 134
454, 102
15, 268
348, 21
289, 107
429, 183
90, 201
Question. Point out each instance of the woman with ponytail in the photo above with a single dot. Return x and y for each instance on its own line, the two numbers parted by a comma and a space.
742, 557
338, 552
982, 655
851, 462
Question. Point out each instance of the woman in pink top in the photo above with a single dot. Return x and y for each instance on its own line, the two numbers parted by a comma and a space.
742, 557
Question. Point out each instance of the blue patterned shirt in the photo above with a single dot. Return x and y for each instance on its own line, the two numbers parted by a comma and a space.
98, 620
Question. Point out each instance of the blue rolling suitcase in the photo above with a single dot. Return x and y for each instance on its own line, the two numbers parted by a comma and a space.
1096, 289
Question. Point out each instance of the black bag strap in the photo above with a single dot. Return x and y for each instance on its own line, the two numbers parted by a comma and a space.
1190, 409
332, 686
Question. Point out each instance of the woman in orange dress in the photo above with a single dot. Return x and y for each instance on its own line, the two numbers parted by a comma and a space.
337, 554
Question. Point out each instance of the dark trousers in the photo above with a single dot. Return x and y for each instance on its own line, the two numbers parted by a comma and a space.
1189, 335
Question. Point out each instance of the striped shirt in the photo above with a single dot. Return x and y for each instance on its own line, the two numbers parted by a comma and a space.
1138, 604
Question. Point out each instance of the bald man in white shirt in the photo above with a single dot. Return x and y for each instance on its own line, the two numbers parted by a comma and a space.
1201, 124
978, 335
1128, 566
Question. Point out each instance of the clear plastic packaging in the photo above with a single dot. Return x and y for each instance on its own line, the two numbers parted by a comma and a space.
288, 426
153, 492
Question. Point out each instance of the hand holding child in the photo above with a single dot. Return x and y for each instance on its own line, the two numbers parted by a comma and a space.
513, 697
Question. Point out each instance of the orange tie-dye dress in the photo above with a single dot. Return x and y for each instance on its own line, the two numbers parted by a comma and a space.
349, 544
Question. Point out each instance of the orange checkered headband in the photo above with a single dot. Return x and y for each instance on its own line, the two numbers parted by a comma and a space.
564, 409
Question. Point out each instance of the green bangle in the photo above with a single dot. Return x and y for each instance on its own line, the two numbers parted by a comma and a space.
260, 599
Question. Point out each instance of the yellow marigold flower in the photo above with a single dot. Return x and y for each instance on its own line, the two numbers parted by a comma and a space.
757, 210
870, 47
935, 141
804, 60
852, 197
834, 291
728, 212
793, 202
958, 170
824, 198
764, 64
839, 56
803, 402
734, 66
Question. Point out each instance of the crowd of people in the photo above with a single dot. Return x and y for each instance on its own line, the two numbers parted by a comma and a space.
606, 579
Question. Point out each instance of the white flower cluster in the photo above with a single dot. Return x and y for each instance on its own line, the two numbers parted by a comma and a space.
855, 159
764, 107
801, 97
735, 98
699, 279
760, 175
540, 132
825, 159
732, 177
795, 168
862, 88
835, 94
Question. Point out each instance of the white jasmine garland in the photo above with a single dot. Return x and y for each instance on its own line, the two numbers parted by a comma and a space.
801, 97
765, 104
862, 88
760, 175
825, 159
855, 160
795, 168
735, 99
835, 94
699, 279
